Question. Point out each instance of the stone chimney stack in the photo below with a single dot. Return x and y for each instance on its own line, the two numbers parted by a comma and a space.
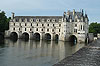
13, 15
73, 11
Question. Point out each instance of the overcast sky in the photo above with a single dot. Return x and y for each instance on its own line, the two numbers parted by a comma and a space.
51, 7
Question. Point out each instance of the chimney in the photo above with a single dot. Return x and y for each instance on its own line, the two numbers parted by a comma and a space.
73, 11
13, 15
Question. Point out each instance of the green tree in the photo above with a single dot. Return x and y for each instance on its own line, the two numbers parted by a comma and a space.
94, 28
4, 22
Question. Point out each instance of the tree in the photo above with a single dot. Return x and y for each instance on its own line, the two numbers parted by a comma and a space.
94, 28
4, 22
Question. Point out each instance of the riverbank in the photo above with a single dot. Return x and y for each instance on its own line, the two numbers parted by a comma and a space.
86, 56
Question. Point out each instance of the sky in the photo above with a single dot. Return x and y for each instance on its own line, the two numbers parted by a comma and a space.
51, 7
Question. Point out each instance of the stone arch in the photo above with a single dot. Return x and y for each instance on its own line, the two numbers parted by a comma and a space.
25, 36
73, 38
13, 35
36, 36
57, 37
47, 36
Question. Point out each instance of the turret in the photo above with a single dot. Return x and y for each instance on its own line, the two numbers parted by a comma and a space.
64, 15
82, 12
86, 18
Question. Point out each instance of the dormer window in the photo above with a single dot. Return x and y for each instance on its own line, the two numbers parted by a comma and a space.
37, 20
22, 20
16, 20
53, 20
48, 20
31, 20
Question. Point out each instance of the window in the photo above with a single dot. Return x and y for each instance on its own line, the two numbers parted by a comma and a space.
25, 29
53, 20
37, 29
13, 28
48, 25
16, 20
25, 24
37, 24
81, 27
59, 30
37, 20
19, 29
27, 20
47, 29
42, 24
41, 29
19, 24
22, 20
59, 25
53, 25
30, 29
75, 25
52, 30
14, 24
31, 24
33, 20
48, 20
75, 30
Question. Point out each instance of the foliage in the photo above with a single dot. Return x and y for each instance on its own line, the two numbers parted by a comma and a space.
94, 28
4, 22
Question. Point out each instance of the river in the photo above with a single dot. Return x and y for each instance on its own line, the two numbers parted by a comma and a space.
35, 53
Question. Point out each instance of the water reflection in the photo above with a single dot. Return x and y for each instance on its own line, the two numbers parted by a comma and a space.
36, 53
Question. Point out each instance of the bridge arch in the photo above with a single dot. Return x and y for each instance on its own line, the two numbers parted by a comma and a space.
13, 35
47, 36
57, 37
36, 36
25, 36
73, 38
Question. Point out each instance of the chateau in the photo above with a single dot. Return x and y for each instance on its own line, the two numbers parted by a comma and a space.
71, 26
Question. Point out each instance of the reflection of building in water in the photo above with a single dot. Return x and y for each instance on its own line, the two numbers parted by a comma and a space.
49, 51
71, 26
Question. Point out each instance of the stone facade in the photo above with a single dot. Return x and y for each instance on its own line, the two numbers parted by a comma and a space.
71, 24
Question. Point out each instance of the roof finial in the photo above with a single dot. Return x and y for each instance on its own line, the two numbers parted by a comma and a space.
82, 12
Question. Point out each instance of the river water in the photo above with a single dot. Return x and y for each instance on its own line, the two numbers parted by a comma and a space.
35, 53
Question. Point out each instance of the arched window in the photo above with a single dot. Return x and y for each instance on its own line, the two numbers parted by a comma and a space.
41, 29
37, 24
47, 29
48, 25
13, 28
42, 24
59, 30
25, 29
36, 29
31, 24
